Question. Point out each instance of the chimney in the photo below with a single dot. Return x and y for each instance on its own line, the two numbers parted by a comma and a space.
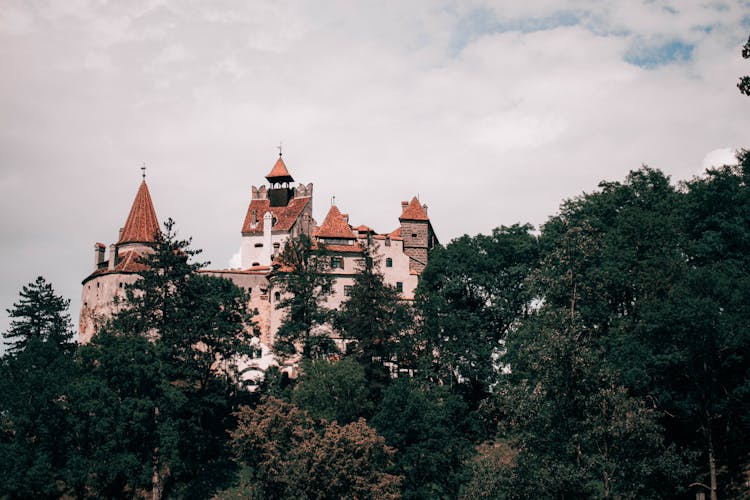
113, 256
98, 255
346, 217
404, 204
267, 240
122, 229
424, 207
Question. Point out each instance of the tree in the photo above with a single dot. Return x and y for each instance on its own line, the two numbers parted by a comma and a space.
470, 295
302, 277
200, 325
40, 314
35, 375
744, 83
375, 321
287, 457
576, 431
333, 390
432, 431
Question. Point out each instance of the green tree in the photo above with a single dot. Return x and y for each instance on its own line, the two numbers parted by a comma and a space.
375, 321
431, 429
286, 456
39, 314
744, 83
35, 375
470, 295
578, 433
301, 274
333, 390
200, 326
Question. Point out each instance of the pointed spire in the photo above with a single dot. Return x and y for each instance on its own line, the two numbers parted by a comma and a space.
279, 173
414, 211
335, 226
142, 223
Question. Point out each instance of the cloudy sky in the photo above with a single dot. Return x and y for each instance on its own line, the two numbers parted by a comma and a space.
492, 112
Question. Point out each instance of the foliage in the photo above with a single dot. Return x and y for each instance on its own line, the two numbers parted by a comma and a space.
290, 458
333, 391
39, 314
578, 434
200, 326
35, 375
302, 276
471, 294
491, 470
744, 83
431, 430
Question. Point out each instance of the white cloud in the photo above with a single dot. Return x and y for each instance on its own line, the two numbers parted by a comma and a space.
235, 261
718, 158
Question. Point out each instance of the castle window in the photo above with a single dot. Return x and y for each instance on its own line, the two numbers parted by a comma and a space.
97, 284
255, 264
276, 245
259, 245
388, 262
387, 241
325, 289
399, 286
347, 290
413, 235
120, 285
337, 262
249, 290
277, 296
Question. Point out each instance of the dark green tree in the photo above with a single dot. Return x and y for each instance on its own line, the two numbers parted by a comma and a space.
35, 375
432, 431
744, 83
39, 314
200, 326
375, 322
470, 295
576, 431
333, 390
303, 279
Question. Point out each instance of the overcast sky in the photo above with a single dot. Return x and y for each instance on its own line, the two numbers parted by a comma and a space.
492, 112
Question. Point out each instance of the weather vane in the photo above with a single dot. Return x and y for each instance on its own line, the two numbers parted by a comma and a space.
279, 148
143, 171
333, 200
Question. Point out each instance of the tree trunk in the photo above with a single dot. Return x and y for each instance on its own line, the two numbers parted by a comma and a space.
156, 480
712, 465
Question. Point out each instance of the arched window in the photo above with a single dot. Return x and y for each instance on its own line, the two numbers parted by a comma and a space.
277, 296
388, 262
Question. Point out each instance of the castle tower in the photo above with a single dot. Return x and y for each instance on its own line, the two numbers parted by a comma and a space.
109, 277
417, 234
275, 214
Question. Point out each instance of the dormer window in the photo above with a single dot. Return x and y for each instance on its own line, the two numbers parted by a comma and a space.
255, 217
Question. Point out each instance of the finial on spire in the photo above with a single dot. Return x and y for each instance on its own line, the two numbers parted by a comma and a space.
333, 200
279, 148
143, 171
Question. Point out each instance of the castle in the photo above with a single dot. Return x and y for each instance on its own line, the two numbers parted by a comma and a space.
275, 214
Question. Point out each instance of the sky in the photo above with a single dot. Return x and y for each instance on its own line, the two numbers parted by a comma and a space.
492, 113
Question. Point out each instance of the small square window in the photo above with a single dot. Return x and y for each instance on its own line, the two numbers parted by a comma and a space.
347, 290
337, 263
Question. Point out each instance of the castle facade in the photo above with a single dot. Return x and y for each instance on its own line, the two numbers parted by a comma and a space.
275, 214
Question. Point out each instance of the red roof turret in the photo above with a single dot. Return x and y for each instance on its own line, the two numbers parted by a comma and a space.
142, 224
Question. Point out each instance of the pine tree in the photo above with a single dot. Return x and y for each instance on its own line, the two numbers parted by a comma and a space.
39, 315
35, 377
301, 275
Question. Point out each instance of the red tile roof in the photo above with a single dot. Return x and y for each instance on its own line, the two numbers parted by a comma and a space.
279, 172
285, 216
414, 211
142, 223
356, 248
335, 226
129, 263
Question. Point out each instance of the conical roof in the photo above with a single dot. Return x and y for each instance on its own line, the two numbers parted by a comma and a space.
279, 172
414, 211
142, 223
335, 226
